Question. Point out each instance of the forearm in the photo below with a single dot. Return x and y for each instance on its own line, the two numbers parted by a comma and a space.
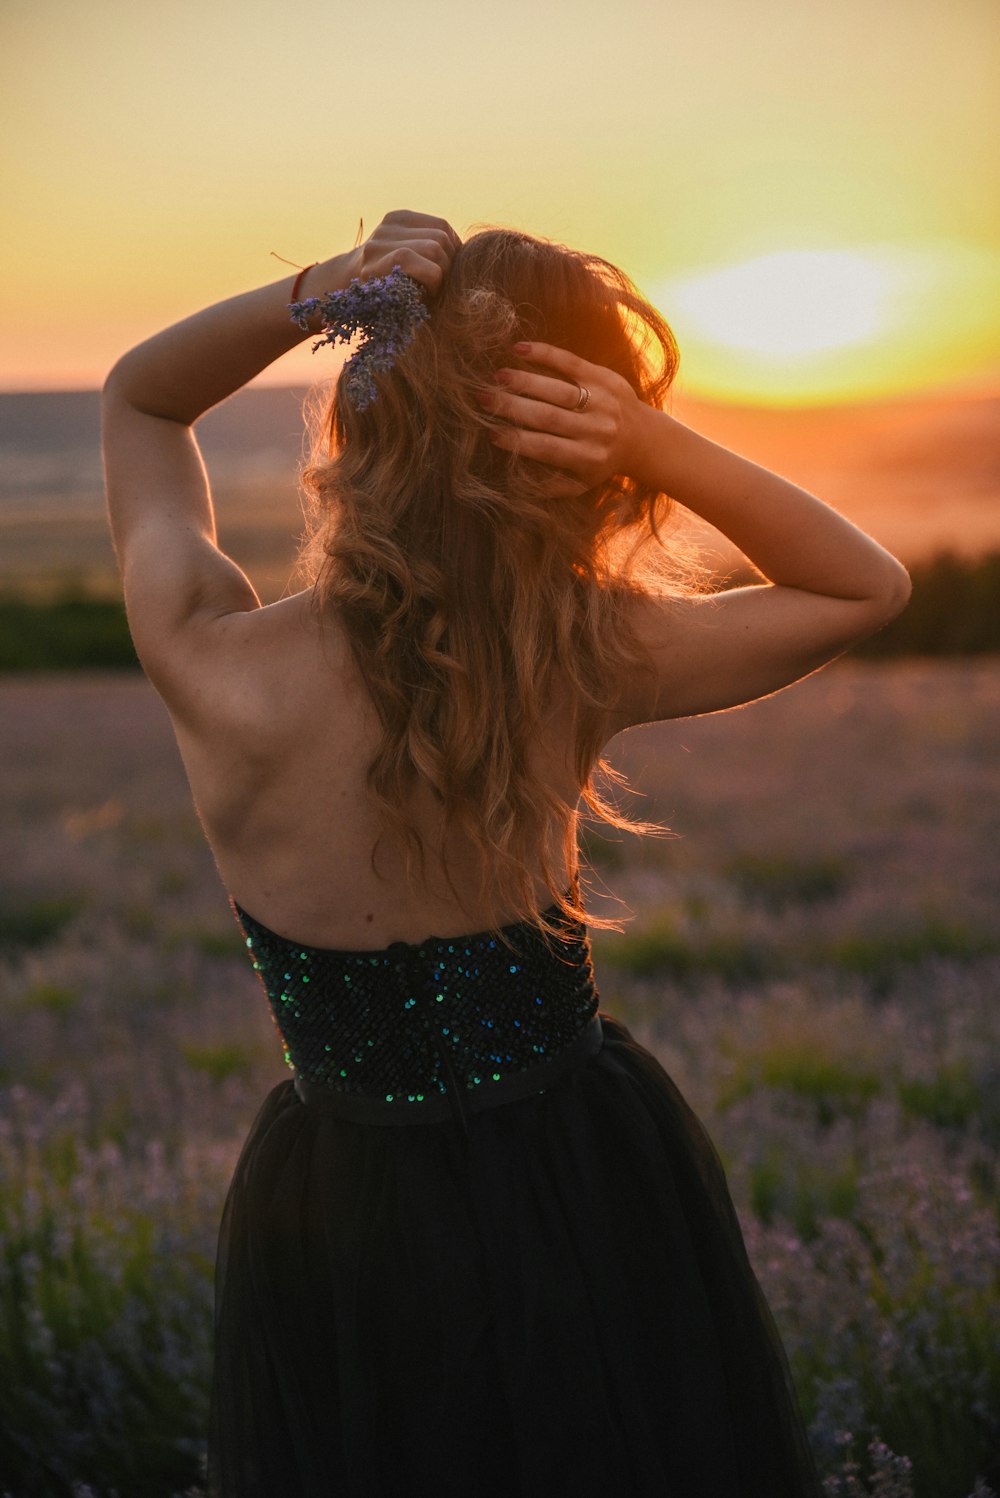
182, 372
792, 537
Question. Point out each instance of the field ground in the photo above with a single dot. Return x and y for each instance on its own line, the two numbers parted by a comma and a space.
814, 957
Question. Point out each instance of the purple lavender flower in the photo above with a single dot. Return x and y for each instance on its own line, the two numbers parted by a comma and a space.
388, 310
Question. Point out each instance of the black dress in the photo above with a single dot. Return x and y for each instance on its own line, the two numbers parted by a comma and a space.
479, 1246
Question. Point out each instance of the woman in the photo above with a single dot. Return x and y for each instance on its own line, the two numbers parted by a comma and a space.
536, 1286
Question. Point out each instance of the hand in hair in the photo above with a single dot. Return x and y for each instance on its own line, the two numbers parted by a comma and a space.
421, 245
584, 448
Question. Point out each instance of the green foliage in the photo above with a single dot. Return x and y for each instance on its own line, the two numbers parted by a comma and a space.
931, 1419
103, 1342
661, 949
912, 1341
33, 923
951, 1099
219, 1061
878, 957
801, 1192
852, 1100
776, 881
603, 850
834, 1087
139, 920
54, 998
887, 1475
954, 610
72, 632
208, 942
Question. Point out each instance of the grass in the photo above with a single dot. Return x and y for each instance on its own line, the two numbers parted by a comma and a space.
54, 998
833, 1088
880, 955
812, 958
777, 881
951, 1099
34, 923
806, 1198
219, 1061
103, 1331
661, 949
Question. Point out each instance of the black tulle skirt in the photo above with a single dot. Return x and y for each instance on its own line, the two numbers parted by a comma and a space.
561, 1304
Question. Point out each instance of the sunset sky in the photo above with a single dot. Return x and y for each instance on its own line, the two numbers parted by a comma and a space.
809, 194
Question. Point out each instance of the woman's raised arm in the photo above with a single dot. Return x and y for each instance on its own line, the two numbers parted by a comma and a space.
828, 583
177, 582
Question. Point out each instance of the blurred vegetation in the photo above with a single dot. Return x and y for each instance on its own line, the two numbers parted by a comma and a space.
26, 922
814, 958
70, 632
955, 610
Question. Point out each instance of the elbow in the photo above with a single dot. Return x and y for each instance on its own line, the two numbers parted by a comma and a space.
126, 379
883, 601
888, 599
897, 591
123, 392
116, 380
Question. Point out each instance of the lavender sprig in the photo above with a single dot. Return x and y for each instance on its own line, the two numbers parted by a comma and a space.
388, 310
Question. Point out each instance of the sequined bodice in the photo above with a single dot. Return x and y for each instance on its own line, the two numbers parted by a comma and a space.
400, 1024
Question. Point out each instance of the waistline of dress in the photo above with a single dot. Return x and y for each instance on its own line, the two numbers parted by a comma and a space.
457, 1101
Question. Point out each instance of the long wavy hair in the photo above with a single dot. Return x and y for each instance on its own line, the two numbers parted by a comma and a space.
466, 595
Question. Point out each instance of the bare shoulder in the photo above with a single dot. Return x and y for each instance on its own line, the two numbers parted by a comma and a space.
256, 702
241, 669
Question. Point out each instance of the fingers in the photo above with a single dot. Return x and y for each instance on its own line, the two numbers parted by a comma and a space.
522, 382
537, 413
544, 447
561, 482
418, 221
423, 250
427, 237
571, 365
427, 261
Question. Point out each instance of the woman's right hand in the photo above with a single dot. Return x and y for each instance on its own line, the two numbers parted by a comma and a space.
582, 447
420, 244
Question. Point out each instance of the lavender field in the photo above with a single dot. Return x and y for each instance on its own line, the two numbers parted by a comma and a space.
814, 957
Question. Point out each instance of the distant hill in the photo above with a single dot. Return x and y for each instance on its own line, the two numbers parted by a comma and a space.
50, 442
52, 518
921, 474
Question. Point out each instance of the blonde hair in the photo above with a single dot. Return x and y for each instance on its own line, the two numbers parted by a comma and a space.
464, 592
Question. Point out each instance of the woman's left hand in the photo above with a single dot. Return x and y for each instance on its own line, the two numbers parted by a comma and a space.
581, 421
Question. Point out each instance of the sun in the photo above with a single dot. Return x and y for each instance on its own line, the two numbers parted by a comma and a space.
805, 326
788, 303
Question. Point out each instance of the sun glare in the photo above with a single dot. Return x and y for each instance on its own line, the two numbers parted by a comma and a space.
799, 326
787, 303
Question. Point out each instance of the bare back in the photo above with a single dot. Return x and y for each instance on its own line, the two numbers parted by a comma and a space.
276, 730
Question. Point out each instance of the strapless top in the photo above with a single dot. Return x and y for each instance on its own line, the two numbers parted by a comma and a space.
415, 1030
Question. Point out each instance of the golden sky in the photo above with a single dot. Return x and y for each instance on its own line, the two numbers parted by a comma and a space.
809, 193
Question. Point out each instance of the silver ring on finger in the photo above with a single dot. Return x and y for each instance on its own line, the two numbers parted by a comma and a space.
584, 400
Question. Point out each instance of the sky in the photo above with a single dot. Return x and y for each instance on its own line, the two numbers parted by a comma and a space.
808, 192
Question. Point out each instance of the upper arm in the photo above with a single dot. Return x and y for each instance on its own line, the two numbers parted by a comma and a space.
715, 651
177, 582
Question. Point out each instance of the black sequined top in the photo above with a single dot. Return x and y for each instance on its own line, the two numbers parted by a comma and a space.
404, 1023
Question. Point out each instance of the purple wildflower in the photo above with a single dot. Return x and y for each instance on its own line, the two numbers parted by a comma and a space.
388, 310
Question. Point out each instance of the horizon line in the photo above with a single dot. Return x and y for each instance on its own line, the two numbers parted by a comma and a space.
981, 389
